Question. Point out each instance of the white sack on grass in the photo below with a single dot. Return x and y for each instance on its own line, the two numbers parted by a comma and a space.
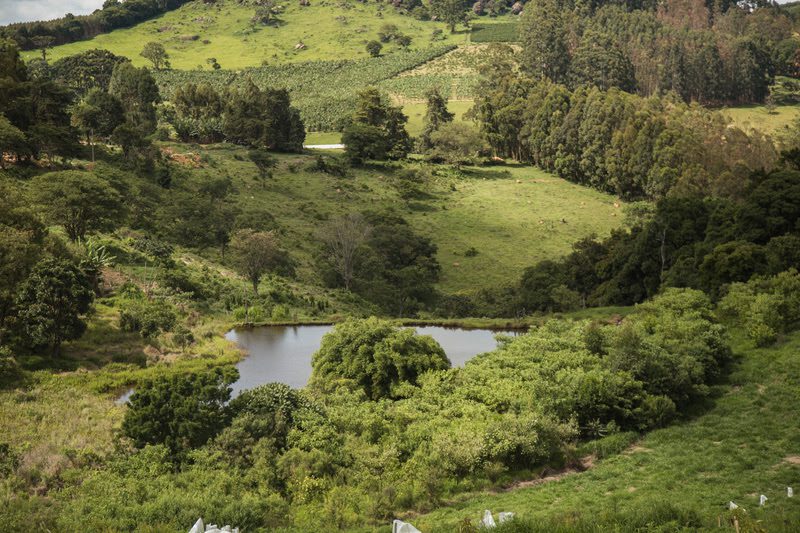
198, 527
762, 500
732, 506
505, 517
398, 526
789, 492
488, 519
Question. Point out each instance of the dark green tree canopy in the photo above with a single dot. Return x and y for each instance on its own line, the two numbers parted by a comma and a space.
80, 201
138, 92
86, 70
181, 412
51, 303
264, 119
376, 129
375, 356
436, 114
599, 61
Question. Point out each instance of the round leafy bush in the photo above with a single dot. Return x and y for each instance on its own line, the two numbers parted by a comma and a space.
376, 355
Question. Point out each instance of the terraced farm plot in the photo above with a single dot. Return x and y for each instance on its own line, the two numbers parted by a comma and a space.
223, 30
324, 91
456, 73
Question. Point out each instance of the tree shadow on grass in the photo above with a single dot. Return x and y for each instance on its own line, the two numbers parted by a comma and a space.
717, 389
102, 344
422, 207
485, 173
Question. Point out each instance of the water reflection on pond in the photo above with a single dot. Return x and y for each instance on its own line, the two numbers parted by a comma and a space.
283, 353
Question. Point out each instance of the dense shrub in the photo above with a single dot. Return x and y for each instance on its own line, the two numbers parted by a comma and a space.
765, 306
375, 356
148, 318
179, 411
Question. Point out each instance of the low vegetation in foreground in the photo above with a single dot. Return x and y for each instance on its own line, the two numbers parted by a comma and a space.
739, 445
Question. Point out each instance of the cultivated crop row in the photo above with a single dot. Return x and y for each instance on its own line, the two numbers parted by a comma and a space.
324, 91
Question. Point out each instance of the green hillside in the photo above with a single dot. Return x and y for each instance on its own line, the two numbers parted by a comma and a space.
744, 443
223, 30
512, 216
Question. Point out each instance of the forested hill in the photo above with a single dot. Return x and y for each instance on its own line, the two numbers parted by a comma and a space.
70, 28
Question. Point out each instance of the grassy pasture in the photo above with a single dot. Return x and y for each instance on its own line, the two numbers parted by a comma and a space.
743, 445
758, 117
328, 30
511, 215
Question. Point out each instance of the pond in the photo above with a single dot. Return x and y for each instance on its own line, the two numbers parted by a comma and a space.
283, 353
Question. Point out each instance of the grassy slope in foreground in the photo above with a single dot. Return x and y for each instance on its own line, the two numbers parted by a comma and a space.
512, 216
329, 31
746, 444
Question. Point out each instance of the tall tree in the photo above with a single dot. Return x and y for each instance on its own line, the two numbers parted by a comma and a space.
137, 91
436, 114
80, 201
264, 119
156, 54
98, 113
601, 62
544, 33
376, 129
12, 140
342, 238
51, 302
451, 12
255, 253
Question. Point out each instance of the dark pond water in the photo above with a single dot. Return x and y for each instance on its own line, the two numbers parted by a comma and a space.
283, 353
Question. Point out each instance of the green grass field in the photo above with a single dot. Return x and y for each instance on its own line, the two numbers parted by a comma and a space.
323, 137
745, 444
511, 215
758, 117
415, 111
328, 31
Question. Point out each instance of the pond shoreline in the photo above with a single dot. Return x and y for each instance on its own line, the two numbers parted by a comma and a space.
498, 324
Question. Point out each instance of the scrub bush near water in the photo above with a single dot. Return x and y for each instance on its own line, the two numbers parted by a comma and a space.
368, 438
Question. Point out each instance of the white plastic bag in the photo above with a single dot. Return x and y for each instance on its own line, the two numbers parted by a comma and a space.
488, 519
762, 500
505, 517
198, 527
398, 526
732, 506
789, 492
